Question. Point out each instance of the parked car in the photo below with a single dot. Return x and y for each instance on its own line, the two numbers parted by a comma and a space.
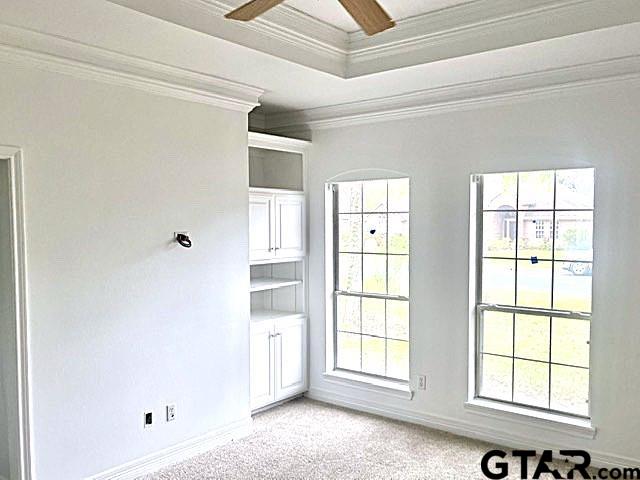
579, 268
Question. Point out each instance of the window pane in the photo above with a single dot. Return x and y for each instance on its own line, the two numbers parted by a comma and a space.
374, 232
398, 319
496, 377
350, 197
348, 313
532, 337
500, 191
373, 355
570, 341
537, 253
375, 196
350, 233
348, 351
574, 240
574, 188
373, 316
531, 383
534, 284
399, 195
372, 251
399, 275
498, 281
497, 333
374, 273
535, 191
570, 389
535, 235
572, 286
499, 234
399, 233
350, 268
398, 359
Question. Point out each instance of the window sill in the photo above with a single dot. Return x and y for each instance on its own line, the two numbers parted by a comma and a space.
370, 384
564, 424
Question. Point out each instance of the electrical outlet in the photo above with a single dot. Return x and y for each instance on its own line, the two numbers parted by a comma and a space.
148, 419
171, 412
422, 382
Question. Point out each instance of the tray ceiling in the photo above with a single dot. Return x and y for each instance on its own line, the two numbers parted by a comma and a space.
428, 31
331, 12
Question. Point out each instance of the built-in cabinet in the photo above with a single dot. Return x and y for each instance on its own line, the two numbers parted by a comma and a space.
277, 224
278, 258
278, 359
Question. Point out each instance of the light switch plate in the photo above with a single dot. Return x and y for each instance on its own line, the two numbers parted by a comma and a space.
171, 412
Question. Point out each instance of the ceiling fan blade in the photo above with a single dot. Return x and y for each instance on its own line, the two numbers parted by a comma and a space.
252, 9
369, 15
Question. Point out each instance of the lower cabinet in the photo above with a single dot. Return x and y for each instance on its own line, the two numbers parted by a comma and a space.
278, 359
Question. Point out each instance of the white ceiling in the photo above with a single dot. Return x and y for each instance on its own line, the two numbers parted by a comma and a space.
190, 39
332, 12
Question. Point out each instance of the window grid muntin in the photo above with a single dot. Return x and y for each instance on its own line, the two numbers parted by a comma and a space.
516, 257
361, 294
481, 308
515, 309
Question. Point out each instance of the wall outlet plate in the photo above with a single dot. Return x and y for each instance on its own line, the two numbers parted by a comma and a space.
148, 419
171, 412
422, 382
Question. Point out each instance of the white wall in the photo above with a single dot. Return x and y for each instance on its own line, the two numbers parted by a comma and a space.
121, 318
7, 326
599, 128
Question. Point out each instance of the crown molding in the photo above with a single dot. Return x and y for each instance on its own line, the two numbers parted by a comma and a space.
453, 19
465, 29
457, 97
480, 26
20, 46
283, 32
288, 24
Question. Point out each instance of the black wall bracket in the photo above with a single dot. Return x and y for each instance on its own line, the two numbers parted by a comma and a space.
184, 239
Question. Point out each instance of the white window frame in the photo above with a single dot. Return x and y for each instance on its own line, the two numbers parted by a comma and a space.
581, 424
540, 228
384, 385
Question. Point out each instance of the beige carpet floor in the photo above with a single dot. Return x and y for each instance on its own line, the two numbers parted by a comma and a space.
308, 440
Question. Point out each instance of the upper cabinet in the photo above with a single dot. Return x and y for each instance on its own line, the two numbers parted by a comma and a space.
276, 198
276, 225
290, 225
261, 226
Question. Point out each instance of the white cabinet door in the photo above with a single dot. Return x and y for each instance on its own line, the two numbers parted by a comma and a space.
262, 364
290, 226
261, 226
291, 355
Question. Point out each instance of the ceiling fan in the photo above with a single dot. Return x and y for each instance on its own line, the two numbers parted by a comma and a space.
367, 13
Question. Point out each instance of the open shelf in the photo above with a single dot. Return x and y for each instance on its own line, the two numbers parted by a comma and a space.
261, 284
275, 169
260, 315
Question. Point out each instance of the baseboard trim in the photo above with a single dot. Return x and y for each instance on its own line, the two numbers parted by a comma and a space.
462, 428
177, 453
